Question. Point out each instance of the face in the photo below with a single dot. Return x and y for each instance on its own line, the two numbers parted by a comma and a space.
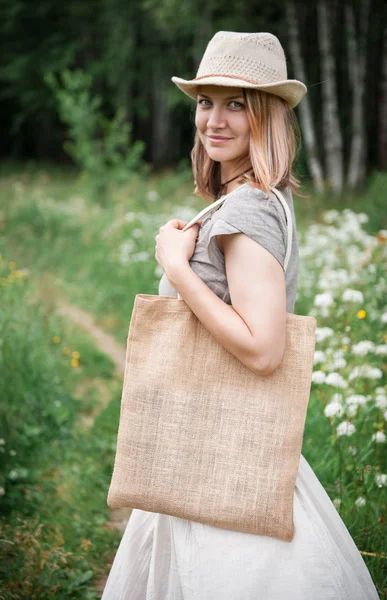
222, 124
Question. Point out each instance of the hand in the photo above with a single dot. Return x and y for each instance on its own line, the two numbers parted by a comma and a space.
174, 247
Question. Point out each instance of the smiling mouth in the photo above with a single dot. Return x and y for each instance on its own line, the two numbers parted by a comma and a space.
216, 138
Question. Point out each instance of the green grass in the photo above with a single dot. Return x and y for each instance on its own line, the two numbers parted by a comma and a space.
86, 253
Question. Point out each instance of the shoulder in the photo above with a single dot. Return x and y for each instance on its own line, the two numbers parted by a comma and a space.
254, 206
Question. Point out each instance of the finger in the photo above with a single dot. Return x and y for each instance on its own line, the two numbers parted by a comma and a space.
177, 223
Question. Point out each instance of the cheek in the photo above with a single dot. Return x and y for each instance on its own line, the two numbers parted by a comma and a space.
200, 120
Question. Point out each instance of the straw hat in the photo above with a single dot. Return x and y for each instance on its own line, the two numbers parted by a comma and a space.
248, 60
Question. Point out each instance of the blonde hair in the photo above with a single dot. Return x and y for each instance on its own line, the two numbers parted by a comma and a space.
274, 143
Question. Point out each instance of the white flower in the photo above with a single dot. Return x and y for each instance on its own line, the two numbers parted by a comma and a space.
352, 296
336, 502
381, 402
352, 450
333, 408
140, 256
383, 318
365, 371
330, 216
136, 233
325, 299
346, 340
319, 357
13, 474
381, 349
336, 380
130, 216
152, 195
360, 501
13, 452
351, 410
381, 479
322, 333
338, 362
345, 428
379, 437
318, 376
356, 399
2, 441
385, 416
2, 491
363, 347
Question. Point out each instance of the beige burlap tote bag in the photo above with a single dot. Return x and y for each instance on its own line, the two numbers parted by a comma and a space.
201, 436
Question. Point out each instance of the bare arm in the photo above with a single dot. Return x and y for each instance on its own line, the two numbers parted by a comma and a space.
253, 328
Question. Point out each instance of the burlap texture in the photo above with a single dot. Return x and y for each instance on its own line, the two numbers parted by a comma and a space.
201, 436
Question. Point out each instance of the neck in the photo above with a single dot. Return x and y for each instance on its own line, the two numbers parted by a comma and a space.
228, 172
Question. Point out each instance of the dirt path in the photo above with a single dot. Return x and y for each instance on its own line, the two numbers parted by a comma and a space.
106, 343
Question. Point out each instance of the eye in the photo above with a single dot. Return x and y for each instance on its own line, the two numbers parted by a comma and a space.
240, 105
203, 100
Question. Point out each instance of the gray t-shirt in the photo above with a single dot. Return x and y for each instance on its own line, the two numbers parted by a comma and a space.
259, 216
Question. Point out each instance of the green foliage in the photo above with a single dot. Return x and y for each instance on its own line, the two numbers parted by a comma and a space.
101, 147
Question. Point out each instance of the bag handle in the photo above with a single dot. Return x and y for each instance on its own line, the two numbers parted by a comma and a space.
217, 203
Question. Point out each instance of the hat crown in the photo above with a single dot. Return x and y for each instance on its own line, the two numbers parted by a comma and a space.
256, 57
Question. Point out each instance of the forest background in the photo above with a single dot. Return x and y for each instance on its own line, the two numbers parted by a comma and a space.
95, 156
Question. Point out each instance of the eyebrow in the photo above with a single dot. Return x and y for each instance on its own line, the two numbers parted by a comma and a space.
229, 97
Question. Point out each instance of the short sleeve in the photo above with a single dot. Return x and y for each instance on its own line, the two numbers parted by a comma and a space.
255, 214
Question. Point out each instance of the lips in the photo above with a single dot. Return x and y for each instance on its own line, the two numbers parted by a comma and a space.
218, 138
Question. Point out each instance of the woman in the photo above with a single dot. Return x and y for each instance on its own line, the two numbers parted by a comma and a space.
232, 278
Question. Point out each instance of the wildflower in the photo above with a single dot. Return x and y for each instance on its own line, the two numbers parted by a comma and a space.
56, 339
352, 450
360, 501
363, 347
318, 376
336, 379
152, 195
379, 437
2, 441
351, 410
336, 502
352, 296
2, 491
76, 354
345, 428
74, 362
381, 479
324, 300
361, 314
365, 371
13, 452
333, 408
381, 349
385, 416
383, 318
322, 333
356, 399
66, 350
12, 265
319, 357
381, 401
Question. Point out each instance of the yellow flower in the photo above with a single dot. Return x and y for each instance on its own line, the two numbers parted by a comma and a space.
76, 355
18, 273
12, 264
66, 350
3, 281
361, 314
74, 362
345, 347
56, 339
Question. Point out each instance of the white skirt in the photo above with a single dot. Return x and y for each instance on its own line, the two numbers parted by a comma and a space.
167, 558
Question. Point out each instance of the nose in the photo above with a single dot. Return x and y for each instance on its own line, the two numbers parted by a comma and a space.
216, 119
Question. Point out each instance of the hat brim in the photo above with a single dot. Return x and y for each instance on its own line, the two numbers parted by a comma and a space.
290, 90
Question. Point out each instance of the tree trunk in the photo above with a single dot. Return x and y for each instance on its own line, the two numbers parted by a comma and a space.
308, 129
383, 107
357, 69
161, 115
333, 143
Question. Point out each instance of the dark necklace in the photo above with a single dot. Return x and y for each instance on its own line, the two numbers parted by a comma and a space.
223, 185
